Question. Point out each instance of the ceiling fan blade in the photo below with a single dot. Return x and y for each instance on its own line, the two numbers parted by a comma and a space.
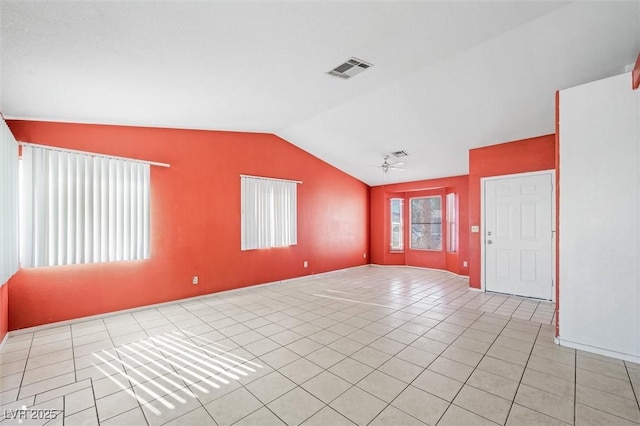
397, 163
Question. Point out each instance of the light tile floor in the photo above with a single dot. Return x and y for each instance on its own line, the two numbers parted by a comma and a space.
370, 345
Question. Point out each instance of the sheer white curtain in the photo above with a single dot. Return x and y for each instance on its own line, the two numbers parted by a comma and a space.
269, 213
78, 208
8, 204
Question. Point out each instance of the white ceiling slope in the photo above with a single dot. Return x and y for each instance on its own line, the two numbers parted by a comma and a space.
447, 76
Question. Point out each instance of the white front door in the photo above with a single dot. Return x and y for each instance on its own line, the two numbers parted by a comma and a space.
518, 238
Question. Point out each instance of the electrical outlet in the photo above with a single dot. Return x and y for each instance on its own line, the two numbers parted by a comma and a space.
364, 255
194, 280
305, 264
465, 264
475, 228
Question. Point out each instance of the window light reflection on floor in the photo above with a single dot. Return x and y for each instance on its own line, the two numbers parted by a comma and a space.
166, 367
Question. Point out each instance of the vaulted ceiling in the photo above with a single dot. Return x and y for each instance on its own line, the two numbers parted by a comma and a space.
446, 76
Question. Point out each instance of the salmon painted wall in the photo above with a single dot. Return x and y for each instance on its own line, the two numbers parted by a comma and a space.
4, 310
381, 232
195, 221
526, 155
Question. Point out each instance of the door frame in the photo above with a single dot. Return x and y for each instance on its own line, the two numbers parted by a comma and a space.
483, 271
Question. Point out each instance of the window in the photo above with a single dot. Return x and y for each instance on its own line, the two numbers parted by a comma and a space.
426, 223
452, 224
397, 231
269, 213
80, 208
8, 204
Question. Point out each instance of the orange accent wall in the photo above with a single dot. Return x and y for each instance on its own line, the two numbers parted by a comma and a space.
4, 311
381, 232
195, 219
526, 155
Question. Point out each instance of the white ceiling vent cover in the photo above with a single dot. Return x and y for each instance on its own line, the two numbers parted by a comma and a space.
352, 67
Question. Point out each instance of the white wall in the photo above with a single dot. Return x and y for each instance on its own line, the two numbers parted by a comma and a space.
599, 217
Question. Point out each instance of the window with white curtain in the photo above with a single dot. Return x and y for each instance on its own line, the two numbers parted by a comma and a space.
452, 222
78, 208
269, 213
8, 204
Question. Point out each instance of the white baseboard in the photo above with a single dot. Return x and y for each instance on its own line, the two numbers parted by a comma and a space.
597, 350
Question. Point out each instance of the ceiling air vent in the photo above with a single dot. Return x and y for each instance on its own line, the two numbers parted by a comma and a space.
399, 154
353, 66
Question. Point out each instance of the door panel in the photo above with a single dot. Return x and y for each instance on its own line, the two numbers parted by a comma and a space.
518, 235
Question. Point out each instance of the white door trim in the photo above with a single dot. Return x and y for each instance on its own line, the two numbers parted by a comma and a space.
551, 172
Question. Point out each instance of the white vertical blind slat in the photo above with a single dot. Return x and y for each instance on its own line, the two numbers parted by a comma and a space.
82, 208
8, 204
269, 213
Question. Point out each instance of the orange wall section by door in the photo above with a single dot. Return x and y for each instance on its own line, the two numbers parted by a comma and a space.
526, 155
195, 221
381, 225
4, 311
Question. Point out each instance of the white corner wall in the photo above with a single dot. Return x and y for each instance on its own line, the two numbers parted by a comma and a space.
599, 233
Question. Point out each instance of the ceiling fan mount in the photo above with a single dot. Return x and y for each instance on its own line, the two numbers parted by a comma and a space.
386, 165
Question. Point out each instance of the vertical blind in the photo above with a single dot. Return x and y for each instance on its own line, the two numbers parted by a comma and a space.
269, 213
79, 208
8, 204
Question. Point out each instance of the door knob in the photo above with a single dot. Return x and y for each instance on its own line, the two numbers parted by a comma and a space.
489, 242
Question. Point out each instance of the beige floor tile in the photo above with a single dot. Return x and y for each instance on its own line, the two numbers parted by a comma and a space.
604, 383
328, 416
304, 347
458, 416
296, 406
545, 403
133, 417
163, 410
371, 357
549, 383
262, 417
87, 417
483, 403
270, 387
326, 386
115, 404
452, 369
382, 386
599, 366
438, 385
494, 384
351, 370
506, 354
472, 345
461, 355
401, 370
300, 371
261, 347
609, 403
325, 357
46, 385
562, 371
233, 406
358, 406
346, 346
279, 358
523, 416
586, 415
416, 356
555, 353
393, 416
421, 405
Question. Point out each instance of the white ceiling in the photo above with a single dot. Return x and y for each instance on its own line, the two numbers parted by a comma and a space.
447, 76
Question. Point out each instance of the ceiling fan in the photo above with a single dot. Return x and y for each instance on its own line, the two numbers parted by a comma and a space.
386, 165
